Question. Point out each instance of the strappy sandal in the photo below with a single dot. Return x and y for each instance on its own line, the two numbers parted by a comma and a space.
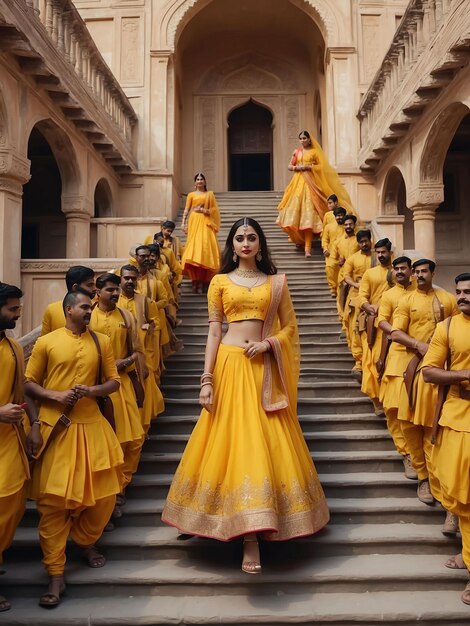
50, 600
93, 557
466, 594
250, 567
455, 562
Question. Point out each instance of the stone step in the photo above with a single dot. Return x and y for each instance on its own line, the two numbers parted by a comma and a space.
336, 485
330, 462
345, 540
304, 405
180, 423
317, 441
181, 376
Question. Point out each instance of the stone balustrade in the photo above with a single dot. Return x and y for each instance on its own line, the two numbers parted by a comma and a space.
409, 78
53, 32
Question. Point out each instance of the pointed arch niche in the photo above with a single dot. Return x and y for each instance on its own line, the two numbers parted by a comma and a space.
266, 56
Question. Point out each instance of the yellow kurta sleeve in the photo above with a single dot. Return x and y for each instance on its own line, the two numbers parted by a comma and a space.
365, 289
36, 367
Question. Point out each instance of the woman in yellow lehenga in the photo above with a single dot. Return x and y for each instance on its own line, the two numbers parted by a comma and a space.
246, 470
201, 223
304, 204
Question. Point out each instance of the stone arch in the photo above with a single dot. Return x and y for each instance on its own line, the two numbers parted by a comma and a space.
438, 141
65, 155
179, 13
394, 203
103, 199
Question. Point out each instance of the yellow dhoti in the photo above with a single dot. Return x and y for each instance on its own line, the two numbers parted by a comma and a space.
11, 511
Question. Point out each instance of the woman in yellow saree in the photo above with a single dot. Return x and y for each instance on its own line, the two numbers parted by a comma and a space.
246, 470
304, 204
201, 223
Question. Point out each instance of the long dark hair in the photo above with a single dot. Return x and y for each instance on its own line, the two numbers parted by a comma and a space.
266, 264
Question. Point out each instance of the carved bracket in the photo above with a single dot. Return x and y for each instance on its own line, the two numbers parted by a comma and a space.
14, 166
77, 208
426, 196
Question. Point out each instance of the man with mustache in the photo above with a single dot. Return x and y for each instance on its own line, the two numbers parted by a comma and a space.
77, 278
331, 232
78, 474
146, 315
14, 446
413, 326
120, 327
374, 283
394, 357
451, 453
354, 268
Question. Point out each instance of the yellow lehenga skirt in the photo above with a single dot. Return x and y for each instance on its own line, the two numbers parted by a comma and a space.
301, 208
245, 470
201, 256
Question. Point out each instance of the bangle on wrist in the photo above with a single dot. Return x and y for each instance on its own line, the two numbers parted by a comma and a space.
206, 384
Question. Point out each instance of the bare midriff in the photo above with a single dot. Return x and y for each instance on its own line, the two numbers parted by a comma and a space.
243, 332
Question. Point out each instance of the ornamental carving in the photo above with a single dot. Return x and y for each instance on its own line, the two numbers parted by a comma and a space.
15, 166
426, 197
63, 266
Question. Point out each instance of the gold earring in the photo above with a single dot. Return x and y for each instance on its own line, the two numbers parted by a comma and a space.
235, 257
259, 256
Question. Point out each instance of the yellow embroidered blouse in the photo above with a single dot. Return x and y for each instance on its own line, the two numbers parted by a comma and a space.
237, 303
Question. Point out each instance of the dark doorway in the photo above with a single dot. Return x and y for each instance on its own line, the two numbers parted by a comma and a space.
250, 145
44, 225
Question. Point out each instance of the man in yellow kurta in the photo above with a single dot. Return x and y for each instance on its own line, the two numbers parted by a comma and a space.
146, 314
331, 232
450, 457
14, 446
168, 255
119, 325
392, 360
77, 476
78, 277
354, 268
344, 247
413, 326
171, 241
374, 283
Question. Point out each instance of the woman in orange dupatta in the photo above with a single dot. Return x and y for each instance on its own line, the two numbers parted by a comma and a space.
304, 204
246, 470
201, 223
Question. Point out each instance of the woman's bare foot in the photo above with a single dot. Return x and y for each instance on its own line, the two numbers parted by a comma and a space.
308, 254
4, 604
251, 559
51, 598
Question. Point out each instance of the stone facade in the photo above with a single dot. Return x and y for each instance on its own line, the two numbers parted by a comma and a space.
127, 99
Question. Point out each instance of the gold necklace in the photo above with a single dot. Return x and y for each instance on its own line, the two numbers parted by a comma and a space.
247, 273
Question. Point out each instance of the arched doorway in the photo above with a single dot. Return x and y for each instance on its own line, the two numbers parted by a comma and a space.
44, 226
103, 207
395, 204
250, 144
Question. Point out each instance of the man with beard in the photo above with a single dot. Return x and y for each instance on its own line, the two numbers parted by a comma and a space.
78, 474
170, 241
392, 361
413, 326
374, 283
147, 317
14, 446
120, 327
169, 265
354, 268
451, 455
77, 278
332, 232
344, 247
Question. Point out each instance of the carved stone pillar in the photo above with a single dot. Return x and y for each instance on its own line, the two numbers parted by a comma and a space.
423, 201
78, 214
14, 173
424, 218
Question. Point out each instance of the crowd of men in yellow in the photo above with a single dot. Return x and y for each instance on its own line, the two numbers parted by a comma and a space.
100, 355
411, 346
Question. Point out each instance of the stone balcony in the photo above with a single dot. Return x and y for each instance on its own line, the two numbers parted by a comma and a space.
430, 47
53, 47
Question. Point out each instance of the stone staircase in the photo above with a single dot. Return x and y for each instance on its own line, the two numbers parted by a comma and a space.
380, 560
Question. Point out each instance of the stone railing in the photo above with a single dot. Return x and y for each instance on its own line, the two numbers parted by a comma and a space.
51, 35
410, 78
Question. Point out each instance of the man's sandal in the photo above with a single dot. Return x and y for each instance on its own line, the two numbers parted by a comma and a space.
455, 562
51, 600
466, 594
250, 567
94, 558
4, 604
